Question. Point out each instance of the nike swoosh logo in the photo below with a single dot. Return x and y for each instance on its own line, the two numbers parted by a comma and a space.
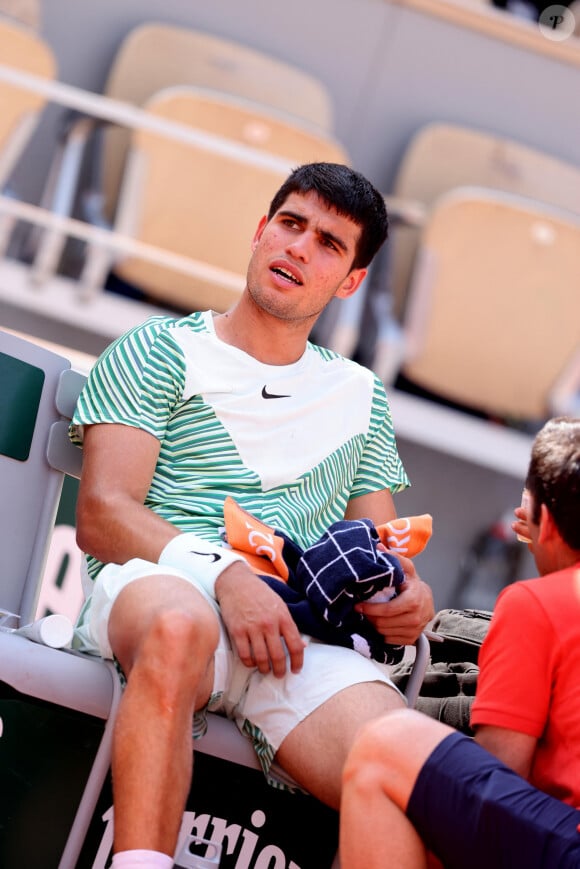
213, 556
266, 394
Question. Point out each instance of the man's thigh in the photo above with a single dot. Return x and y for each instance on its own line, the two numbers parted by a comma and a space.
307, 720
471, 810
315, 751
126, 597
138, 607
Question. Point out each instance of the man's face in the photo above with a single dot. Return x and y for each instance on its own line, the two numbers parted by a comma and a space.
303, 257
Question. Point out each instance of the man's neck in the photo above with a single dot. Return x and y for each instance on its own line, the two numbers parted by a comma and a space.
271, 341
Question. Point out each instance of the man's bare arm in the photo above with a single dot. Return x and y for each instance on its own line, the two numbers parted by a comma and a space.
514, 749
376, 506
112, 522
114, 525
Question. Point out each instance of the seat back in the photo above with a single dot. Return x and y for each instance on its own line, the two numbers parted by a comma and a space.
155, 56
61, 764
24, 50
493, 319
31, 487
441, 157
205, 204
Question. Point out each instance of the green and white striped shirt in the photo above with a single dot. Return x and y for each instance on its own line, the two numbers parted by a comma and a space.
291, 443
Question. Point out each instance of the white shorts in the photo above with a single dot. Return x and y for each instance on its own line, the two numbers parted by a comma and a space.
264, 707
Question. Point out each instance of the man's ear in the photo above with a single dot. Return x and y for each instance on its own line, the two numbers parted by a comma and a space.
351, 283
258, 232
547, 527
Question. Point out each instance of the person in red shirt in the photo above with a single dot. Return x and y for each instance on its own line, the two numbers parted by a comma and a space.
416, 792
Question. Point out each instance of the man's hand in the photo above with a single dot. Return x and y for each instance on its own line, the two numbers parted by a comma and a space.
258, 622
401, 619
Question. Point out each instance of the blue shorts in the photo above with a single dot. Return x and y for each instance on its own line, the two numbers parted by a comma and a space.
471, 810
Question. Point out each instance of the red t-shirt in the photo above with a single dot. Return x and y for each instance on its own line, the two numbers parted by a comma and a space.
529, 679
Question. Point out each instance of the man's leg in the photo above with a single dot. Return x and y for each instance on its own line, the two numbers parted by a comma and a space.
164, 634
379, 776
315, 751
408, 768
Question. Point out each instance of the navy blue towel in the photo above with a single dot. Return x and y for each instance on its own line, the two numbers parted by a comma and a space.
326, 581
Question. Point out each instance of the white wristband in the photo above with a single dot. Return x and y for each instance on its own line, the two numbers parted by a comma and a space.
201, 560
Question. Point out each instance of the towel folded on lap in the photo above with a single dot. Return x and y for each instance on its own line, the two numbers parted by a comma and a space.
322, 584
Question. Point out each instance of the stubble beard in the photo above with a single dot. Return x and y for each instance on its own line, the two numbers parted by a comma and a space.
277, 305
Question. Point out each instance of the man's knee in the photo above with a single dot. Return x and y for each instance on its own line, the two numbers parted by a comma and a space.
391, 750
378, 742
390, 728
375, 765
177, 638
173, 666
175, 633
399, 731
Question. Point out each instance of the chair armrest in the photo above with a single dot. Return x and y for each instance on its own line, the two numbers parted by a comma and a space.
422, 652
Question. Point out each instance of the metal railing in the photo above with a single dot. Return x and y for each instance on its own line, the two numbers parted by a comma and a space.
58, 225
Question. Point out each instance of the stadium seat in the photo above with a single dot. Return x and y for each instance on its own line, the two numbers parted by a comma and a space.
152, 57
155, 56
443, 156
25, 51
439, 158
201, 203
493, 316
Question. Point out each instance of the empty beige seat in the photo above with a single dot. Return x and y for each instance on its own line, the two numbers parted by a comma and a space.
155, 56
24, 50
493, 320
20, 109
206, 204
441, 157
152, 57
